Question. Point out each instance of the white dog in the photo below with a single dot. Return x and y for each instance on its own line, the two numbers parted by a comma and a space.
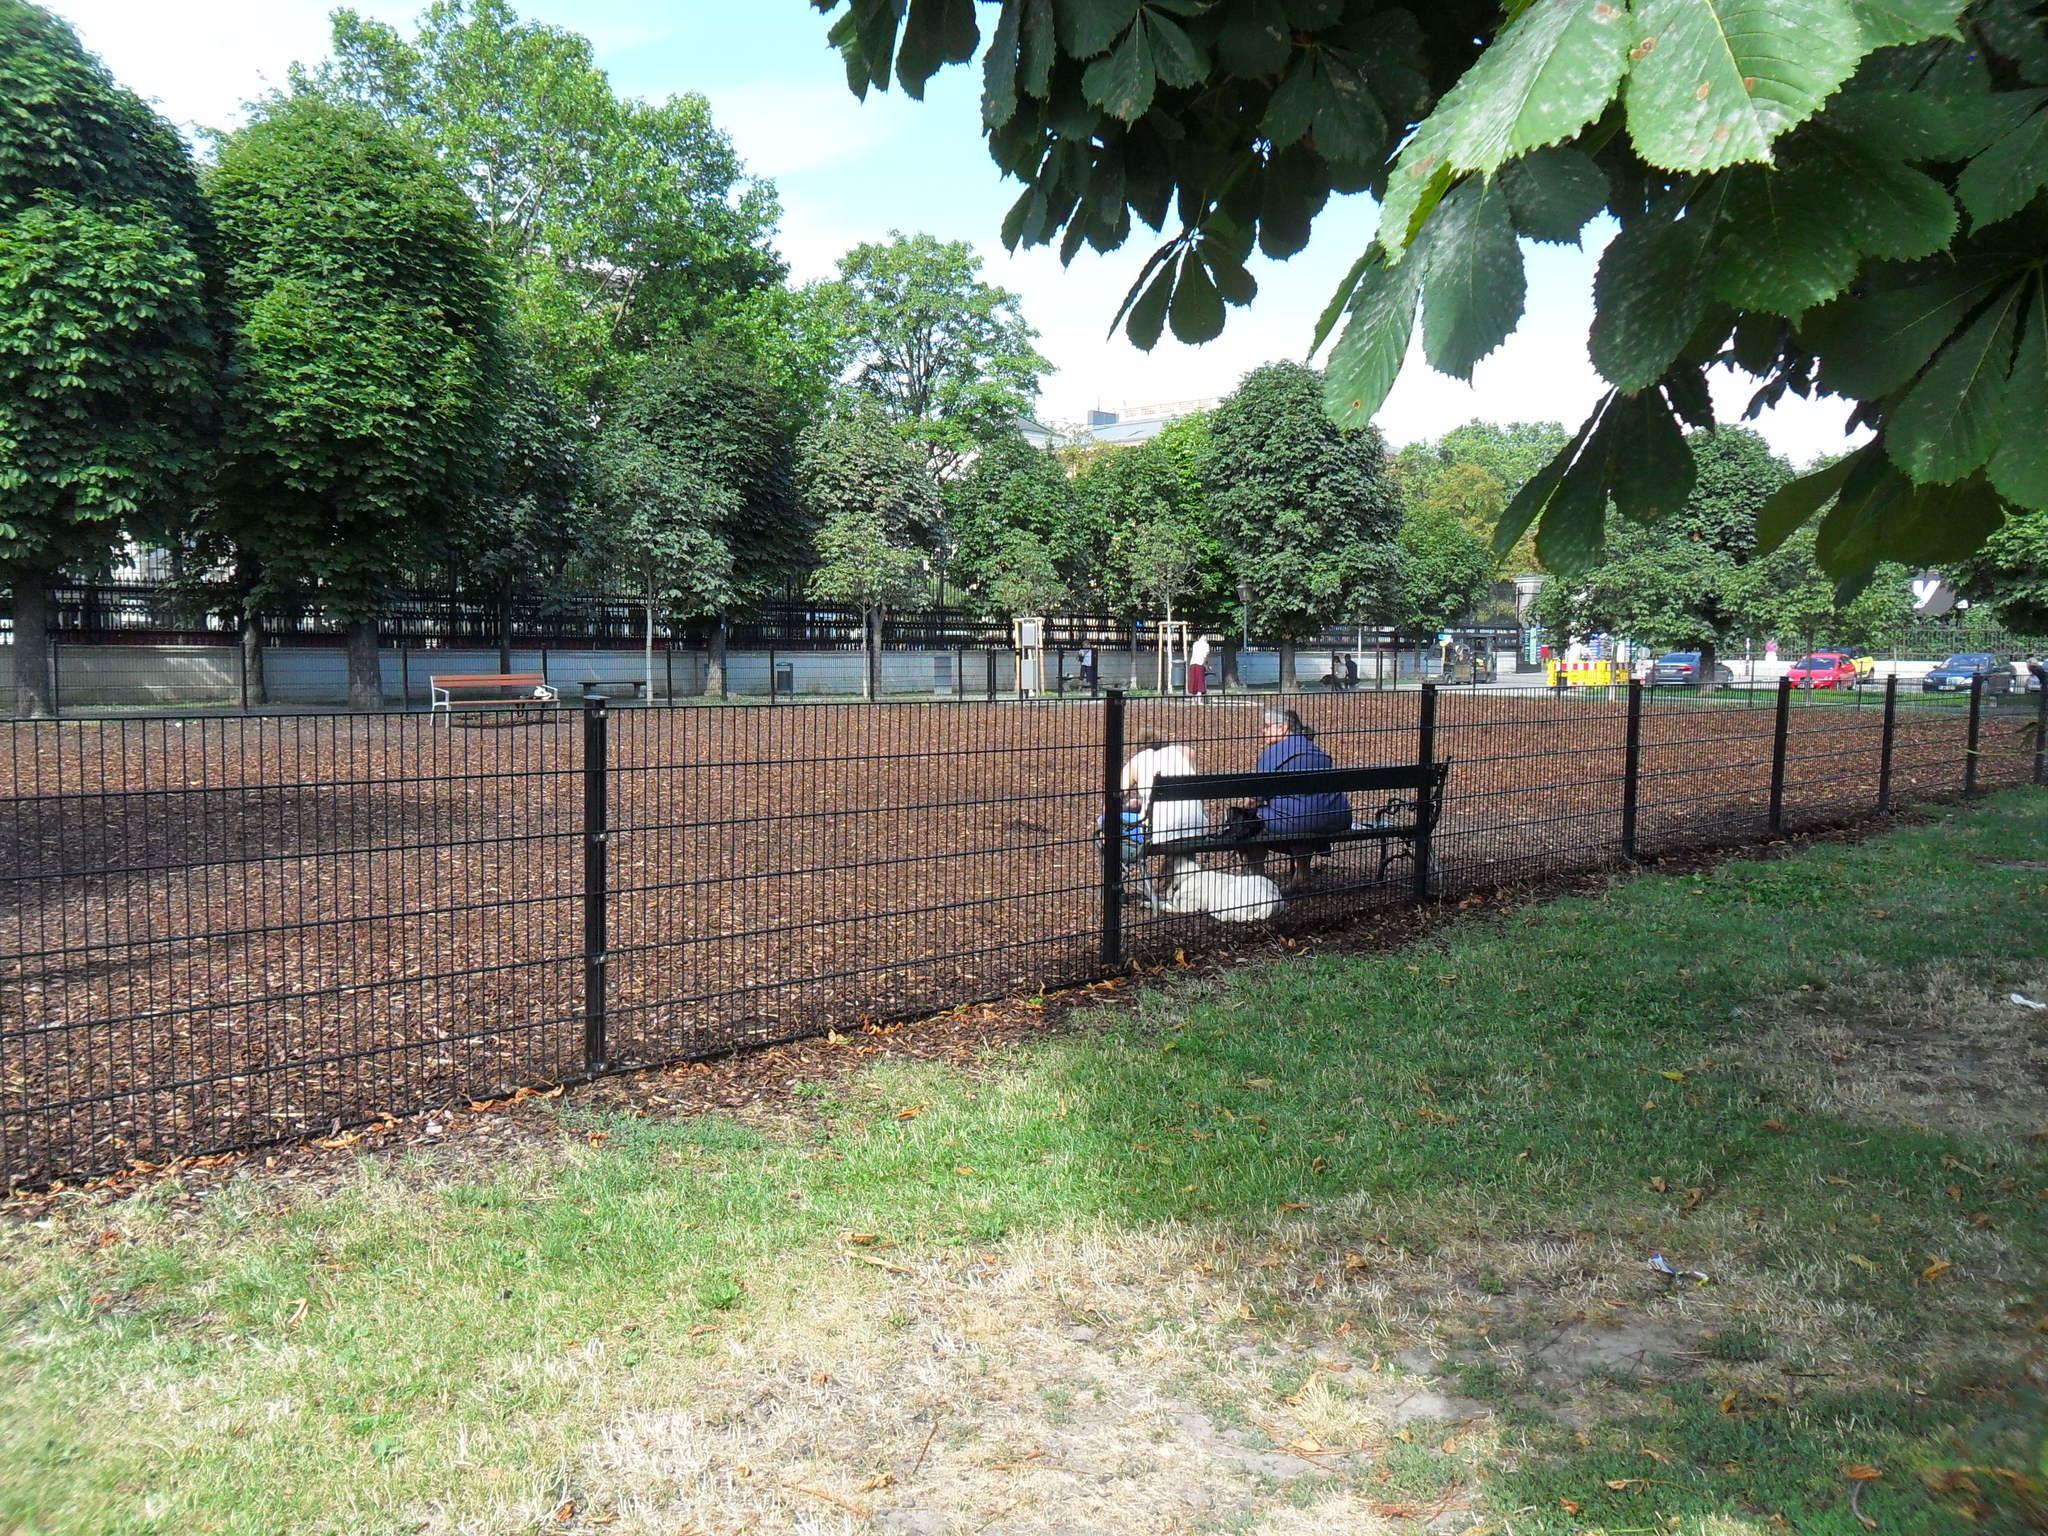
1194, 892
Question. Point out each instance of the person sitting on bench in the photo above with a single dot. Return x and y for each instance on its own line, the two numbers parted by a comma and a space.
1291, 748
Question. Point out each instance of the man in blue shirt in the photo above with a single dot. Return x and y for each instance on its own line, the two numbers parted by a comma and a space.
1291, 748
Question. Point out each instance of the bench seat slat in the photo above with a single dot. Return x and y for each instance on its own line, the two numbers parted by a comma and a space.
486, 680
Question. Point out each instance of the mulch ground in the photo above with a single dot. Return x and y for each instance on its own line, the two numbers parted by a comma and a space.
222, 931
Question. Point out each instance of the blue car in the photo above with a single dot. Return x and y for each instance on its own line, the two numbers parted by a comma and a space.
1954, 675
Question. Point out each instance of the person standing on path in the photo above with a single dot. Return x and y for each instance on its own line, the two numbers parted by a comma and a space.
1089, 676
1198, 668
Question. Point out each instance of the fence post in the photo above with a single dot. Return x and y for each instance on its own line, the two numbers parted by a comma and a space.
1425, 754
596, 734
1976, 727
1112, 839
1631, 769
991, 655
1779, 735
1885, 744
404, 675
2041, 734
668, 672
242, 670
771, 675
56, 695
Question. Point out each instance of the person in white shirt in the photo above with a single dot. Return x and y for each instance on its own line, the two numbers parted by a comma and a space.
1198, 668
1156, 758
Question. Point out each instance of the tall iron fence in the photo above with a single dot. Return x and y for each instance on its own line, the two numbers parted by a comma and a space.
216, 932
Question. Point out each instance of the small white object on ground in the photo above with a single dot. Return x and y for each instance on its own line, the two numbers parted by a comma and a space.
2027, 1002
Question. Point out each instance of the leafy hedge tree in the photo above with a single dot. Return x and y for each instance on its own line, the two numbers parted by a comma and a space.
1700, 580
367, 358
1446, 569
1838, 195
921, 338
528, 514
695, 469
1306, 507
1164, 555
625, 225
1013, 492
108, 342
866, 491
2010, 574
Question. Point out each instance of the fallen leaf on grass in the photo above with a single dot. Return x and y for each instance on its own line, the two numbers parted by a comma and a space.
862, 1239
1293, 1205
1659, 1185
1862, 1474
1676, 1077
1937, 1269
1569, 1507
1728, 1402
878, 1481
911, 1113
879, 1263
298, 1313
1775, 1125
598, 1138
1862, 1263
1620, 1484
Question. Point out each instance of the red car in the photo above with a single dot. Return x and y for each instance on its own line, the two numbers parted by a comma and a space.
1824, 669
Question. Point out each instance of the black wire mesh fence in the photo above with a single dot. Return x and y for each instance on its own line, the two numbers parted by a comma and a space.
216, 932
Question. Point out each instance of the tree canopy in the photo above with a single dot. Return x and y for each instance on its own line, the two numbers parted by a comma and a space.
1306, 507
695, 469
920, 337
1701, 579
623, 224
108, 339
1820, 195
368, 354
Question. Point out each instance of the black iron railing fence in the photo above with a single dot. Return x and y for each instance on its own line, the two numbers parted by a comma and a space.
216, 932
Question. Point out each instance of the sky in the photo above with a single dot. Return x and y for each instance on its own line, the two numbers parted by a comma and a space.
848, 171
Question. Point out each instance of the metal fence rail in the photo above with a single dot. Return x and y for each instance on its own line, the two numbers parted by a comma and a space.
216, 932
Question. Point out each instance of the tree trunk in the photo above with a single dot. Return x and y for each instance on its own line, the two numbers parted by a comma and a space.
365, 670
249, 626
1230, 664
1287, 666
33, 695
871, 648
251, 637
714, 664
1707, 667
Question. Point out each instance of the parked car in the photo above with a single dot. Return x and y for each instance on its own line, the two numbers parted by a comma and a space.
1954, 674
1826, 669
1681, 669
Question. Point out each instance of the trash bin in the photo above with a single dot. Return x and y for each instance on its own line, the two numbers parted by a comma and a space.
785, 677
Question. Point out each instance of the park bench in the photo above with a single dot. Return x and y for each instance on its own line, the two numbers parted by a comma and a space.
533, 690
1410, 799
593, 686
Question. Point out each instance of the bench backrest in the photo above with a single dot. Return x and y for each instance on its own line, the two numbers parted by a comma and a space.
487, 680
1306, 781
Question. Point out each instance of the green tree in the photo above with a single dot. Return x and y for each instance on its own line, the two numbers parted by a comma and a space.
1015, 492
944, 355
1164, 555
526, 517
2010, 574
108, 343
1680, 583
1307, 508
695, 470
1027, 580
625, 224
1445, 569
1830, 194
866, 491
367, 359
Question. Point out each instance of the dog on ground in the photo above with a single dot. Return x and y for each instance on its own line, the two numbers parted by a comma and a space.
1192, 891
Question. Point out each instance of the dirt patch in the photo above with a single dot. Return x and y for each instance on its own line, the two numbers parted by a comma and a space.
1946, 1052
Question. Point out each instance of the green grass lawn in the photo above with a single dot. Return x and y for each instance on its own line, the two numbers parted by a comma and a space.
1230, 1233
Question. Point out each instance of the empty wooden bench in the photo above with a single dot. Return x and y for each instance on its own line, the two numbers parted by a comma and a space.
1402, 805
532, 689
